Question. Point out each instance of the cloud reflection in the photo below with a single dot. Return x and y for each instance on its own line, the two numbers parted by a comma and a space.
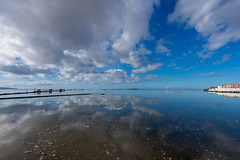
19, 117
128, 127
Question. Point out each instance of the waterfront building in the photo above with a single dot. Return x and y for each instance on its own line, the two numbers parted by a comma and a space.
229, 86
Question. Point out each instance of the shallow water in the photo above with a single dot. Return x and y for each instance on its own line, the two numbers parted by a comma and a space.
126, 124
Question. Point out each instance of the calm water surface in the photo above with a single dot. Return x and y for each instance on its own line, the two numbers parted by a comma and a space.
142, 124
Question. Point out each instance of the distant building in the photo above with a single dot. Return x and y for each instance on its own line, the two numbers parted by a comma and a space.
220, 86
236, 85
212, 87
229, 86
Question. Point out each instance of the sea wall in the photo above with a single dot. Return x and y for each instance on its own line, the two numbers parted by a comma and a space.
225, 90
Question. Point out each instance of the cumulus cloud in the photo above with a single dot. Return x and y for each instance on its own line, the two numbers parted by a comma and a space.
136, 58
188, 53
172, 64
72, 37
225, 58
148, 68
41, 83
110, 76
210, 74
178, 68
188, 69
23, 70
218, 20
161, 48
205, 55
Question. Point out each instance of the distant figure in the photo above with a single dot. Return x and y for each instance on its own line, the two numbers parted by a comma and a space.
39, 91
177, 92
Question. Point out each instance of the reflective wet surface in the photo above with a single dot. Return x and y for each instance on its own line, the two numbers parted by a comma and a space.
143, 124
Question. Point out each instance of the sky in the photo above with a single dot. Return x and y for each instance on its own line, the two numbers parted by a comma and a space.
148, 44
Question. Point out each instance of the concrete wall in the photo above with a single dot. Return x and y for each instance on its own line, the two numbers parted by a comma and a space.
224, 90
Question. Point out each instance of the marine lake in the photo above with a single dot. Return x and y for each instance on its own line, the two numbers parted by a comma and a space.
121, 125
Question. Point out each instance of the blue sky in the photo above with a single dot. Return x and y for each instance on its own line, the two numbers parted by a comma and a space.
119, 44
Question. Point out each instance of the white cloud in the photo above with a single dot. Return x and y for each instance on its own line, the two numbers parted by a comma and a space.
161, 48
172, 64
178, 68
72, 37
33, 82
133, 59
168, 54
136, 58
210, 74
16, 76
136, 17
218, 20
225, 58
205, 55
188, 69
110, 76
23, 70
41, 83
150, 67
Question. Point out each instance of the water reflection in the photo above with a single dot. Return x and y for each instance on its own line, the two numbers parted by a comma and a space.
230, 95
115, 127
